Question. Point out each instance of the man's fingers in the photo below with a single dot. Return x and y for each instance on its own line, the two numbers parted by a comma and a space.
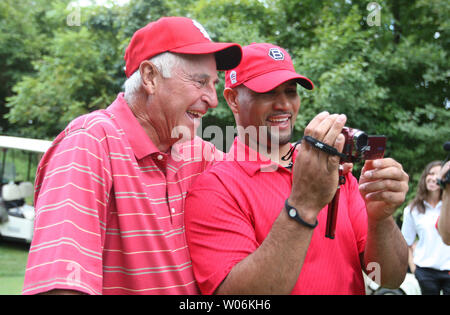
383, 180
333, 160
321, 130
383, 185
331, 134
386, 168
315, 122
347, 168
389, 197
326, 128
385, 173
382, 163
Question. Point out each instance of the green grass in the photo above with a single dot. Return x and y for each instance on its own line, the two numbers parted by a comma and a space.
13, 260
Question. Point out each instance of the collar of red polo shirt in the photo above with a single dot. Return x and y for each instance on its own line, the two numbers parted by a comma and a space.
253, 161
178, 35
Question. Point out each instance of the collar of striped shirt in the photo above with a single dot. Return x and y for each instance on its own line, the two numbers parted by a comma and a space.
140, 143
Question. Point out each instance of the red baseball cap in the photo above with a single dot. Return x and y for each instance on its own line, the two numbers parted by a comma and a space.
263, 68
179, 35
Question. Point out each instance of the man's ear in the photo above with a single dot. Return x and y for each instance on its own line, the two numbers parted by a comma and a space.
230, 96
149, 76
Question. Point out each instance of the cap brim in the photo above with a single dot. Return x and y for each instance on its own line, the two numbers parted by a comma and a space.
228, 55
268, 81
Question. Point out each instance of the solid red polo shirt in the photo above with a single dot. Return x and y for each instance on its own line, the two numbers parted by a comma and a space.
110, 209
231, 208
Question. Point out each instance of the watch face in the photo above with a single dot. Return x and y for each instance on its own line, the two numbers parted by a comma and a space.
292, 213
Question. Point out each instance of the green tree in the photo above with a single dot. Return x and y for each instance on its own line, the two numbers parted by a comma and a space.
24, 35
76, 75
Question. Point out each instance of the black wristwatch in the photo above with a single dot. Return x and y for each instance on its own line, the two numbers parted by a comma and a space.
293, 214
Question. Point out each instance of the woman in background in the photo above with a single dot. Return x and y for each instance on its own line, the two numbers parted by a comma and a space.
431, 257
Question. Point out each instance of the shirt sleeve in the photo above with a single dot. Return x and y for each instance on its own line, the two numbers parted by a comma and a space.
71, 196
219, 233
408, 227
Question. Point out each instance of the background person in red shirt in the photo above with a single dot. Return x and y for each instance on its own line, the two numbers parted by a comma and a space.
240, 236
110, 191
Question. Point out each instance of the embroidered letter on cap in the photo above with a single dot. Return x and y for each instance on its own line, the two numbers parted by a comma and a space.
276, 54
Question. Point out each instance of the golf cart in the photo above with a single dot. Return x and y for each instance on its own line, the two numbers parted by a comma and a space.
16, 203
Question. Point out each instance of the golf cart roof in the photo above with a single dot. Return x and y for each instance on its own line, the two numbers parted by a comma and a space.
27, 144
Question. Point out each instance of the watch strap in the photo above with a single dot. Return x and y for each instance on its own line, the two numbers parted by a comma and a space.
293, 214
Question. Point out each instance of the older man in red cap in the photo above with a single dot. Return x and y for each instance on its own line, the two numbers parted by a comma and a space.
255, 223
110, 192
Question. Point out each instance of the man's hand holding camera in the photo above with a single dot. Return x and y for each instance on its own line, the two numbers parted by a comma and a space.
383, 185
315, 173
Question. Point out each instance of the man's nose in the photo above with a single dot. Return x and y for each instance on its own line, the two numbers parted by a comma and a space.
210, 96
281, 102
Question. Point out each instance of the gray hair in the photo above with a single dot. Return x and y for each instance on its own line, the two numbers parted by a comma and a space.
164, 62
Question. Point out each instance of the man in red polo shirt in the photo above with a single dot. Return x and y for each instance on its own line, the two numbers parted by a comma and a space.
110, 191
256, 225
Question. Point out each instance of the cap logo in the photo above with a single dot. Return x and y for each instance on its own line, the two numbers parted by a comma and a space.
201, 29
276, 54
233, 77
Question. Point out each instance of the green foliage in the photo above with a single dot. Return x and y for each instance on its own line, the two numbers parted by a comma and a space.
389, 79
23, 37
69, 81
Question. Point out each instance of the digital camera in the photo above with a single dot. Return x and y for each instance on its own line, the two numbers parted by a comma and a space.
359, 146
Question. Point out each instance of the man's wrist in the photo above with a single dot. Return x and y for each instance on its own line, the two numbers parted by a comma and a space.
378, 224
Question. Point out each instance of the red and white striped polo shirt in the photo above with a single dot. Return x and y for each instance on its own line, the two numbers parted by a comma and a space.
110, 209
